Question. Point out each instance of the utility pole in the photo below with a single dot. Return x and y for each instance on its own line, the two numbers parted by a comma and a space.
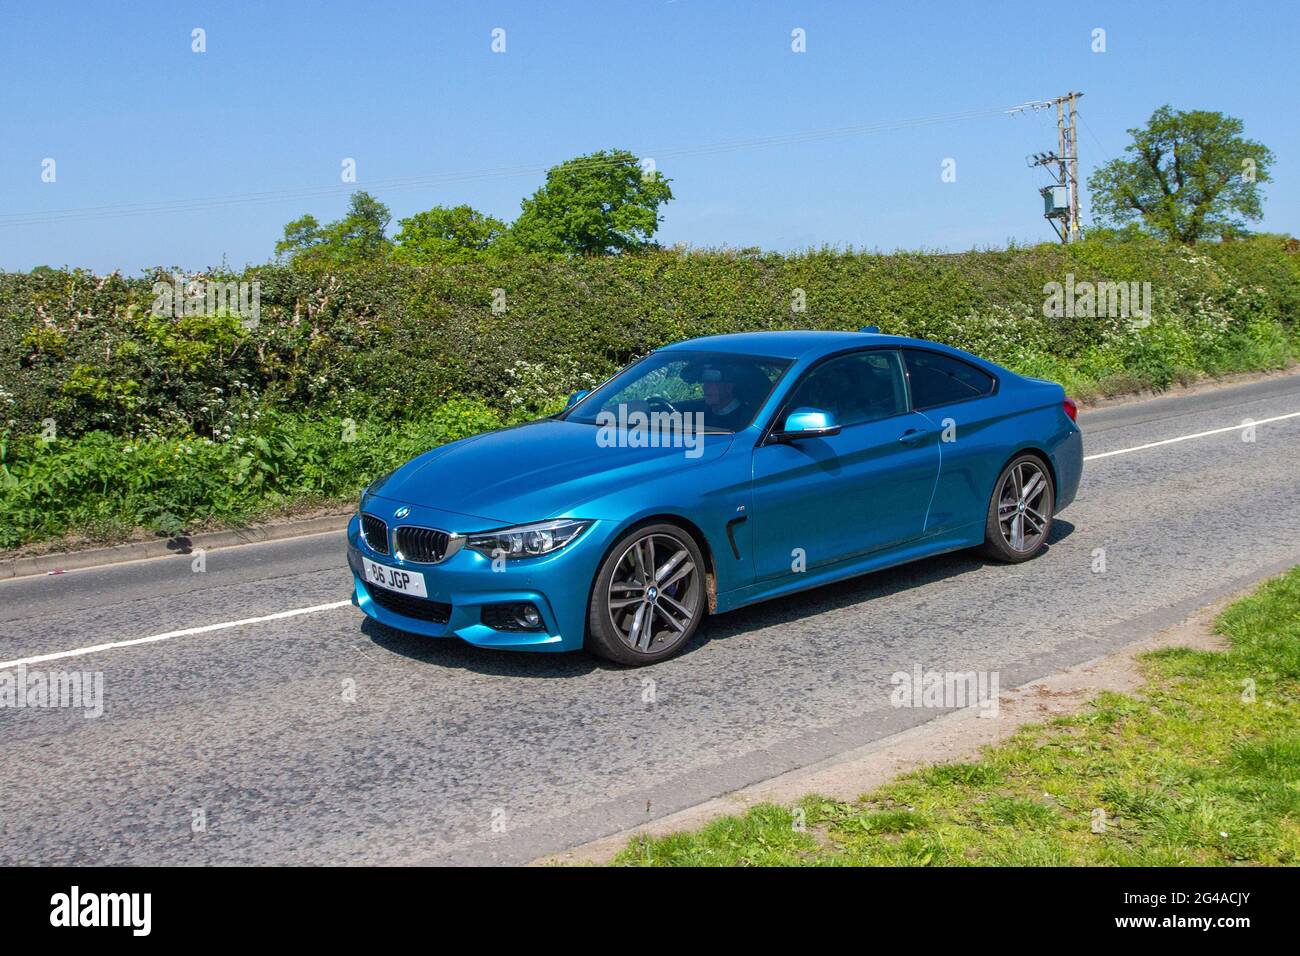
1072, 153
1061, 201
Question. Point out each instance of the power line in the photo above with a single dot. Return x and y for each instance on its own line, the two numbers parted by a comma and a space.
123, 210
1101, 147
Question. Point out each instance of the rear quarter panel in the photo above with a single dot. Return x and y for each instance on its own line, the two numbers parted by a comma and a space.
982, 435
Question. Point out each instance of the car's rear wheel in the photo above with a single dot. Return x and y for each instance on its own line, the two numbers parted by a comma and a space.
1020, 512
649, 596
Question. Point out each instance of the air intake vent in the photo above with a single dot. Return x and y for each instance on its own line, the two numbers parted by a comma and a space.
375, 532
409, 606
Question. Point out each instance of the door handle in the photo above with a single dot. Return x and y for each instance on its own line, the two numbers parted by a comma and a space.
912, 436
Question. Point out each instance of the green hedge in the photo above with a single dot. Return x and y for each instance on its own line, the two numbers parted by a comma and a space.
84, 350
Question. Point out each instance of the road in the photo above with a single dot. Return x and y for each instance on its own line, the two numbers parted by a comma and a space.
321, 738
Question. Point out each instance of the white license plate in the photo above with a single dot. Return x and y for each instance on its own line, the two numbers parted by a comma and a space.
394, 579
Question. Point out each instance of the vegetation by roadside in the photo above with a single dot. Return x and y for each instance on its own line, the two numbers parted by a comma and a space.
1201, 768
114, 418
102, 487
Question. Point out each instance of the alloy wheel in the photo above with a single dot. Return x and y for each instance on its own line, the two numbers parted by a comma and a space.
655, 592
1020, 507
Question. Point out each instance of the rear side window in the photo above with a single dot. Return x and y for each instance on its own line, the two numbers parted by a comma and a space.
939, 380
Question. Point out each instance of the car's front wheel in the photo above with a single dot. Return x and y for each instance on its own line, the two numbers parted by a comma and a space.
649, 596
1020, 514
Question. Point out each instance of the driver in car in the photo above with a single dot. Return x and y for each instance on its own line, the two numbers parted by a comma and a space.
723, 402
722, 406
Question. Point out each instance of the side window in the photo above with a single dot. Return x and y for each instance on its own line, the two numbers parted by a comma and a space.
939, 380
856, 388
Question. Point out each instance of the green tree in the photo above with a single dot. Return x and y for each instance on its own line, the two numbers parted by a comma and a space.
446, 234
355, 239
1188, 176
593, 205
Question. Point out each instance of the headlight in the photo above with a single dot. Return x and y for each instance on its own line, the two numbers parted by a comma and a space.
527, 540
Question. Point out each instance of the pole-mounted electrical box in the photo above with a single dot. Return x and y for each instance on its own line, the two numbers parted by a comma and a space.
1056, 202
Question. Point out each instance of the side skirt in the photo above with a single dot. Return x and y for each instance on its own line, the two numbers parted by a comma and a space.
953, 540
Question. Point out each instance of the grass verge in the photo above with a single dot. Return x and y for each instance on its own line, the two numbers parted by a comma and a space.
1201, 768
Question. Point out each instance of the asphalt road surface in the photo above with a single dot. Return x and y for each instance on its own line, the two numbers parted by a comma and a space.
322, 738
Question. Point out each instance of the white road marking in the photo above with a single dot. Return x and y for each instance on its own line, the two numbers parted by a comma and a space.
316, 609
185, 632
1169, 441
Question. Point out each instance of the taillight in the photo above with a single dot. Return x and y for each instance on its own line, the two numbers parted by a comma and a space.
1071, 409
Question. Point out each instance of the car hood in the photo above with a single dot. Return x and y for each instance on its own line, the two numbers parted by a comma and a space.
532, 472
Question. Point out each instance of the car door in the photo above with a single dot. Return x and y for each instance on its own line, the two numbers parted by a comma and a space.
955, 397
818, 501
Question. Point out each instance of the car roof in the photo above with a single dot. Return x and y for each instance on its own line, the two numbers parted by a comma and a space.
790, 344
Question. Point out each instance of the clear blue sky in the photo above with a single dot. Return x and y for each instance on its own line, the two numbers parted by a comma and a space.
286, 90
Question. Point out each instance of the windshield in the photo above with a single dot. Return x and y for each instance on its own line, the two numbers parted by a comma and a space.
722, 390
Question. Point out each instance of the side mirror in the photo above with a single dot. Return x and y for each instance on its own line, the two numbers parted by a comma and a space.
807, 423
576, 397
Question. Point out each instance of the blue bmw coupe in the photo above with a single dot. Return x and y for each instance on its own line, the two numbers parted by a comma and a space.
711, 474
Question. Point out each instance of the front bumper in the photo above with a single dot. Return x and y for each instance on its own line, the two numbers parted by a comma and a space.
558, 585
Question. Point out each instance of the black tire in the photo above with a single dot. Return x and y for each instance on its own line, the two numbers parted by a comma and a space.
610, 630
1035, 515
